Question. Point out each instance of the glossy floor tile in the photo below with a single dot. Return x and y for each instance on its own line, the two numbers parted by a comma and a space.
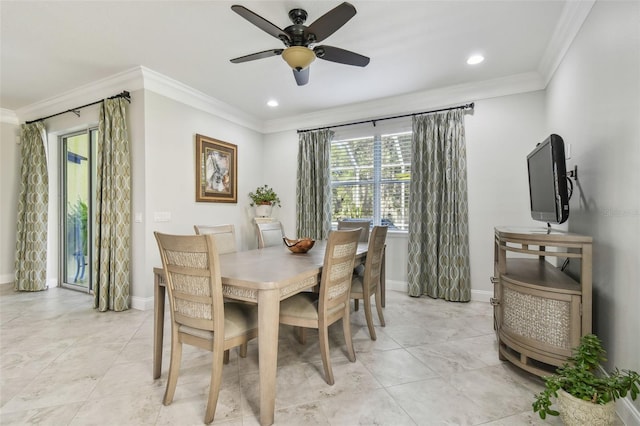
435, 363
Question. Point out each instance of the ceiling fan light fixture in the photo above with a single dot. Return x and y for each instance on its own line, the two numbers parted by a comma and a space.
298, 57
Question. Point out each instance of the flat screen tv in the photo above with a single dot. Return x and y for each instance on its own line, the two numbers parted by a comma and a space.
548, 193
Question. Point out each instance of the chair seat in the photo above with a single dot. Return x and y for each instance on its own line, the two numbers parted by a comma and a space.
304, 306
356, 285
238, 319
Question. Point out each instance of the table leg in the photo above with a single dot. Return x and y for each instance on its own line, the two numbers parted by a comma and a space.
268, 324
383, 279
158, 323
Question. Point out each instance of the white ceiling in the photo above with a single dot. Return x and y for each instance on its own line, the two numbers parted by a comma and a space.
52, 47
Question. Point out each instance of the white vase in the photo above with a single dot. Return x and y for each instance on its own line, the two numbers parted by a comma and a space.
263, 210
576, 412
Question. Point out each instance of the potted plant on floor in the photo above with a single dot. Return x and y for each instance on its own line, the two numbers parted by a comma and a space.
264, 198
584, 397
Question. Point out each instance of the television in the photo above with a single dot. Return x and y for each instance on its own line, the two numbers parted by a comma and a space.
548, 192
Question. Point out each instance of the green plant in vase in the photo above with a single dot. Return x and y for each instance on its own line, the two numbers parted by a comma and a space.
264, 195
578, 379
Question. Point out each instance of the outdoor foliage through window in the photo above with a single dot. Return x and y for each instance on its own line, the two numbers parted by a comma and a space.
370, 179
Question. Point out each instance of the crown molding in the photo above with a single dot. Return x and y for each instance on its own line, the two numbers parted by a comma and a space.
9, 117
411, 103
133, 79
173, 89
130, 80
573, 16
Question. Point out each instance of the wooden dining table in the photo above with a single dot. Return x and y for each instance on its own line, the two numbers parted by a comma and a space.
265, 277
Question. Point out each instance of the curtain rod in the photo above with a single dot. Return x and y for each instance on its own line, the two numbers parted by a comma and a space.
466, 106
124, 94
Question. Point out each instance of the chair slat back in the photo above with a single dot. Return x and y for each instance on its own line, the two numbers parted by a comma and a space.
225, 236
337, 270
373, 263
270, 234
193, 278
364, 226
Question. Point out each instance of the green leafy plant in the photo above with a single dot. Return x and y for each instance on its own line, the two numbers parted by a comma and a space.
577, 377
264, 195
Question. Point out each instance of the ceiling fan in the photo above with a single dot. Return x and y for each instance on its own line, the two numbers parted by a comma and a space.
300, 39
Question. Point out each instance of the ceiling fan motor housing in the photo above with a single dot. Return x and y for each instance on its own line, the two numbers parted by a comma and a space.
298, 16
298, 33
298, 37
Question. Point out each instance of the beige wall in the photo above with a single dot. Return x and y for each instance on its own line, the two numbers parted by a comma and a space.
165, 182
594, 104
9, 186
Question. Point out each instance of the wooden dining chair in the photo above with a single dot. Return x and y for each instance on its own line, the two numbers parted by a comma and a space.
367, 285
199, 317
225, 236
363, 224
269, 234
331, 303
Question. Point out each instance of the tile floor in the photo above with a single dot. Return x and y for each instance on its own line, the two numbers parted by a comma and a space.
63, 363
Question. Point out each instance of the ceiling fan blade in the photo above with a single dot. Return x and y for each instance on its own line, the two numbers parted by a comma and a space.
331, 21
261, 23
258, 55
302, 76
335, 54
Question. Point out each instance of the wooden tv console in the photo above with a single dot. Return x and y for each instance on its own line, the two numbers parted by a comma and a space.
540, 312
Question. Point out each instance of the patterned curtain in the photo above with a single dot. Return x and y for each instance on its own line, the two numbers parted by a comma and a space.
438, 225
33, 209
313, 189
113, 210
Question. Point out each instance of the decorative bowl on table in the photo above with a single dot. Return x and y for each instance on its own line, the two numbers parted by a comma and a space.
301, 245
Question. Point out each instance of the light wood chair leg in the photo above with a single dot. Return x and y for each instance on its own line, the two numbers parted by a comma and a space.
378, 297
356, 304
243, 350
369, 317
214, 386
346, 329
225, 357
323, 333
301, 335
174, 370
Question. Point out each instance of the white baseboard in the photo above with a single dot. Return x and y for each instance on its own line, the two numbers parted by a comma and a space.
476, 295
7, 278
627, 412
141, 303
625, 409
397, 285
481, 295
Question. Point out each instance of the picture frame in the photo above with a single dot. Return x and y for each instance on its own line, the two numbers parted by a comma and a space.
216, 170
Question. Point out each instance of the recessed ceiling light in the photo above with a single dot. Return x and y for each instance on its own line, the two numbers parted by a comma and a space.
272, 103
475, 59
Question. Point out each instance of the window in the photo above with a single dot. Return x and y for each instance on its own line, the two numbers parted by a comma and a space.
370, 179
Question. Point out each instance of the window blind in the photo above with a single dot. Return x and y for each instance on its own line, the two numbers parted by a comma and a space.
370, 178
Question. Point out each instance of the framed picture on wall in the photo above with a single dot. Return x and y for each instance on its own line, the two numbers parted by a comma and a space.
216, 171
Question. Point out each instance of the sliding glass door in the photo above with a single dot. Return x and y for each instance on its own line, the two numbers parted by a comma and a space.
77, 203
